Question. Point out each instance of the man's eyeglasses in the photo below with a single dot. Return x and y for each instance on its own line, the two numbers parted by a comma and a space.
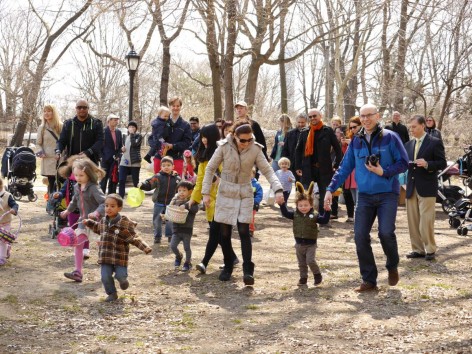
353, 127
244, 141
81, 107
364, 116
313, 116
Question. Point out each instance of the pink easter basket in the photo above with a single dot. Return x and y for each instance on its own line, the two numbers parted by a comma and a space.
67, 237
7, 235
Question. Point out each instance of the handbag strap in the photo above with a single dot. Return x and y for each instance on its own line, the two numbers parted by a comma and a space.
53, 134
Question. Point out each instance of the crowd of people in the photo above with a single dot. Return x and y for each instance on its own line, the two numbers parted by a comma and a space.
216, 168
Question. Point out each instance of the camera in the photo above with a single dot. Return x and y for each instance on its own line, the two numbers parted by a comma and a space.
373, 159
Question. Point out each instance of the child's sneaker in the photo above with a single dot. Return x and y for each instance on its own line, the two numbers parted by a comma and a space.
3, 261
124, 284
75, 275
112, 297
201, 268
178, 260
86, 253
318, 278
302, 281
187, 266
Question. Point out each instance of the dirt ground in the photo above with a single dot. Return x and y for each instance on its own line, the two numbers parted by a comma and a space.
171, 311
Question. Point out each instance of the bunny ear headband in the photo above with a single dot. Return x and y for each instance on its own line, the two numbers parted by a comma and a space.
308, 193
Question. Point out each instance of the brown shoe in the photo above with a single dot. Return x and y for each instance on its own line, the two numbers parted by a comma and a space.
393, 277
365, 286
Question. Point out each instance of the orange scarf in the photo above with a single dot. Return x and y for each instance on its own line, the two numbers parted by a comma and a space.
310, 141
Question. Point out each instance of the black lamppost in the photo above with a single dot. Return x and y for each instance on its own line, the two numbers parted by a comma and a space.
132, 63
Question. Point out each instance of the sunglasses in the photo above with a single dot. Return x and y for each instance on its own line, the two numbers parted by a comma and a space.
313, 116
353, 127
81, 107
366, 116
244, 141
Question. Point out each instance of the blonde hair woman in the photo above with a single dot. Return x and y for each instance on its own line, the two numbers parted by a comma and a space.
276, 154
48, 133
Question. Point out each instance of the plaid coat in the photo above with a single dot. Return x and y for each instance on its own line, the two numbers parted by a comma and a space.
115, 237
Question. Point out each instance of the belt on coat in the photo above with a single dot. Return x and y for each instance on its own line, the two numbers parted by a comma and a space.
234, 179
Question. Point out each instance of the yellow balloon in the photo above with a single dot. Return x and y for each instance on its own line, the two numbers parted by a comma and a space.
135, 197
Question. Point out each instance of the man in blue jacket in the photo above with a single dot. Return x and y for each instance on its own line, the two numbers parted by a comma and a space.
81, 135
378, 156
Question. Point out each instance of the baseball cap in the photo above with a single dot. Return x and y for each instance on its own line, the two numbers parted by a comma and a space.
240, 103
112, 116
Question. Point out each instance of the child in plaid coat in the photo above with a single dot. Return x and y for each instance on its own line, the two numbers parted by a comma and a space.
116, 234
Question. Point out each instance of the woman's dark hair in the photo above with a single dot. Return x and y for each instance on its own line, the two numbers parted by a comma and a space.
434, 122
241, 127
227, 124
212, 134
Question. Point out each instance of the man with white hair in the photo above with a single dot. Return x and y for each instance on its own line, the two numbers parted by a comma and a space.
378, 156
111, 153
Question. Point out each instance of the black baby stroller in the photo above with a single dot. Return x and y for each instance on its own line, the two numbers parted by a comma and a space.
19, 166
54, 207
449, 194
462, 209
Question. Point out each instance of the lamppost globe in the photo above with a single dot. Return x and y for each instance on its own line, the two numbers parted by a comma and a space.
132, 63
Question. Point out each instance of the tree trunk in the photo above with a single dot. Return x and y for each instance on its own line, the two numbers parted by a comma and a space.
251, 85
164, 90
401, 57
229, 58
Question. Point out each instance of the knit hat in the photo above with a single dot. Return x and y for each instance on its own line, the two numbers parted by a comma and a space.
167, 159
132, 123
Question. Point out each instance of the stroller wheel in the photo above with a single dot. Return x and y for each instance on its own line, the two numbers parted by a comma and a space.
448, 205
32, 197
464, 231
17, 195
455, 223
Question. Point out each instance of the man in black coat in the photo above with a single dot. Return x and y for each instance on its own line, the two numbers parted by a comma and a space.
313, 153
81, 135
111, 152
426, 155
242, 113
290, 143
398, 127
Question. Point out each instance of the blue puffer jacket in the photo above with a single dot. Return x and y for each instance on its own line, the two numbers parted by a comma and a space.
393, 159
178, 134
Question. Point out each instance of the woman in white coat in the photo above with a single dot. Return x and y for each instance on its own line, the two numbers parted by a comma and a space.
48, 133
238, 154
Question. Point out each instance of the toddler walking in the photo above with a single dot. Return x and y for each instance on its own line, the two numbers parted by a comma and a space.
88, 198
164, 184
285, 177
183, 232
258, 195
305, 230
117, 232
8, 206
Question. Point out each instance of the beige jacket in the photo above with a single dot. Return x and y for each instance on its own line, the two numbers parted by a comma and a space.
235, 197
47, 144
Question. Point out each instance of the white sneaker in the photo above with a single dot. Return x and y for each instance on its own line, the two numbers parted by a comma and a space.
86, 253
201, 268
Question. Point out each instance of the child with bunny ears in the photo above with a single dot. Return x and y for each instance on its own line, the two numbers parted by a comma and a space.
305, 230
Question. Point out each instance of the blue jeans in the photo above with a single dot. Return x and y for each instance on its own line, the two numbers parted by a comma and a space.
157, 222
383, 206
107, 270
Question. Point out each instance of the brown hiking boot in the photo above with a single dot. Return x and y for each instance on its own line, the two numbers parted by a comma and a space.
365, 286
393, 277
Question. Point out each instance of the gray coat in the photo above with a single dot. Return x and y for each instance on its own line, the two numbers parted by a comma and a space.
88, 200
235, 198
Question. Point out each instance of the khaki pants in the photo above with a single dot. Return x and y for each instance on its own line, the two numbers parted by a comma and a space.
306, 258
421, 214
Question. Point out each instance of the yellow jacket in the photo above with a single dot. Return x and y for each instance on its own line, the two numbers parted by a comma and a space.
197, 191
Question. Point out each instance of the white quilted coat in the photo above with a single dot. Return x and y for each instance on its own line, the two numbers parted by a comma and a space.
235, 197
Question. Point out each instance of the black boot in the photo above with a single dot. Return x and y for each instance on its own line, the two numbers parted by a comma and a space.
248, 269
225, 274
